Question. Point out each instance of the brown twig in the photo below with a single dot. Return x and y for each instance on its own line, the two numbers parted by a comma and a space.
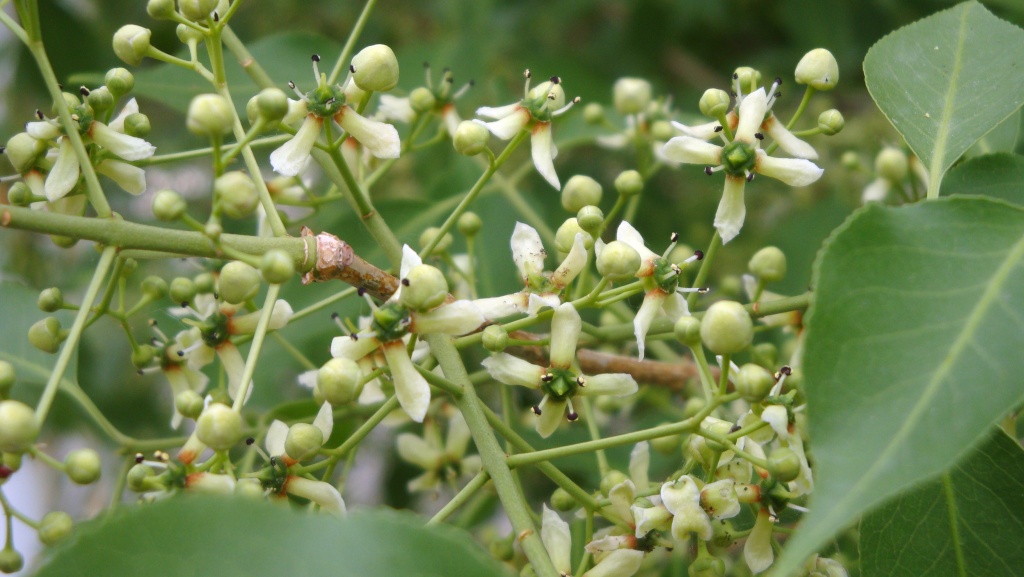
335, 259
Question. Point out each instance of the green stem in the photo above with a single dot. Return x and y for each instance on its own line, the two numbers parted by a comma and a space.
705, 267
595, 434
357, 437
257, 345
460, 499
353, 37
249, 64
808, 93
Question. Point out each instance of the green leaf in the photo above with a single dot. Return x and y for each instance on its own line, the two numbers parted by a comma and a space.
31, 365
1002, 138
946, 81
913, 350
995, 175
196, 535
969, 522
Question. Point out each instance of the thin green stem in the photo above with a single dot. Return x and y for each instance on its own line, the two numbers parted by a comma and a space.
460, 498
245, 58
705, 267
808, 93
595, 434
257, 346
357, 437
353, 37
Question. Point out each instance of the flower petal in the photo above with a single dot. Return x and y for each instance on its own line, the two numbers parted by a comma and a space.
457, 318
645, 316
614, 384
42, 129
618, 563
395, 108
639, 462
510, 370
508, 126
757, 551
325, 420
543, 152
414, 449
459, 436
123, 145
319, 492
731, 210
648, 519
411, 388
691, 150
682, 499
752, 111
552, 415
876, 191
527, 251
621, 497
450, 118
64, 174
291, 157
704, 131
500, 307
565, 333
276, 436
629, 235
573, 263
130, 107
379, 138
792, 171
353, 348
554, 533
131, 179
498, 112
786, 140
537, 301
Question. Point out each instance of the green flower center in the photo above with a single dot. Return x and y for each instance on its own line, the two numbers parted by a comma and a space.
391, 322
560, 383
666, 275
215, 330
325, 101
738, 158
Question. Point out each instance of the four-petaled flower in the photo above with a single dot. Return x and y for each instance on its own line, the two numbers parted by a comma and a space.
554, 533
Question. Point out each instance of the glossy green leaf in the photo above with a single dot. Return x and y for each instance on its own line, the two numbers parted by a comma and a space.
946, 81
995, 175
20, 312
913, 350
967, 523
195, 535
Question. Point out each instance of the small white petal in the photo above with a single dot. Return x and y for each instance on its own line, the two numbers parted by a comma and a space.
682, 499
618, 563
510, 370
792, 171
450, 118
353, 349
752, 111
778, 420
411, 388
508, 126
379, 138
876, 191
645, 316
613, 141
131, 179
395, 108
675, 307
573, 263
614, 384
500, 307
650, 518
639, 462
621, 497
565, 333
276, 436
321, 493
552, 416
131, 107
292, 157
723, 494
64, 174
234, 366
42, 130
325, 420
457, 318
426, 482
731, 209
757, 551
410, 260
691, 150
629, 235
704, 131
543, 152
123, 145
786, 140
527, 251
497, 112
210, 483
307, 379
554, 533
416, 450
538, 301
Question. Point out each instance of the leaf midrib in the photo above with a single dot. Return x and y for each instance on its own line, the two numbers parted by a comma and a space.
938, 151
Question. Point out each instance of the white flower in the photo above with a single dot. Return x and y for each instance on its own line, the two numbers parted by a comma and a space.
277, 434
682, 499
554, 533
757, 551
445, 461
322, 493
777, 418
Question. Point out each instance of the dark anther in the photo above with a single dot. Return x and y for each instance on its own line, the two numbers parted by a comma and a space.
216, 17
216, 296
273, 461
572, 416
152, 322
708, 171
184, 304
732, 93
5, 471
181, 353
750, 177
361, 291
581, 382
316, 58
778, 94
335, 315
351, 69
735, 76
555, 80
699, 254
786, 370
674, 237
39, 114
291, 85
576, 100
83, 91
758, 136
471, 82
139, 372
405, 282
3, 149
528, 74
139, 457
449, 79
536, 410
547, 377
703, 290
778, 81
426, 64
215, 335
355, 337
250, 441
330, 101
446, 70
718, 128
734, 428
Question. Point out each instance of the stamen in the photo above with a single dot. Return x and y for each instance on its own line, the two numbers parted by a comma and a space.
780, 379
405, 282
581, 382
526, 88
547, 377
297, 93
538, 408
708, 171
190, 348
351, 69
83, 91
139, 457
316, 68
465, 88
738, 94
159, 333
262, 453
39, 114
718, 128
337, 320
758, 136
565, 108
573, 415
698, 290
697, 255
249, 441
555, 80
804, 510
750, 177
369, 300
216, 16
426, 71
673, 239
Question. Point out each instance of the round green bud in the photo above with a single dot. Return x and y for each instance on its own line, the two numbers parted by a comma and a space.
7, 378
209, 115
850, 160
160, 9
629, 183
239, 282
213, 230
143, 356
236, 192
303, 441
749, 78
12, 461
72, 101
272, 105
721, 428
610, 479
196, 10
590, 219
376, 68
276, 266
50, 300
566, 235
730, 286
768, 264
754, 382
818, 69
726, 328
219, 427
470, 138
249, 488
784, 464
188, 35
429, 234
154, 287
139, 476
182, 290
424, 288
495, 338
168, 205
100, 99
338, 381
501, 549
19, 194
631, 95
892, 164
119, 81
687, 331
54, 526
765, 354
693, 406
706, 566
580, 191
23, 151
11, 561
593, 113
469, 224
618, 261
831, 122
137, 124
189, 403
422, 100
83, 466
562, 501
131, 43
63, 241
662, 130
18, 427
666, 445
46, 335
714, 103
128, 267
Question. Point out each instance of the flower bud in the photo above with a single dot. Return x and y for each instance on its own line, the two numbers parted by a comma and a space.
424, 288
706, 566
662, 130
831, 122
338, 381
631, 95
189, 403
160, 9
495, 338
10, 560
137, 124
213, 230
23, 151
206, 283
562, 501
501, 549
276, 266
100, 99
54, 526
422, 100
196, 10
237, 194
119, 81
168, 205
593, 113
271, 104
143, 356
618, 261
768, 264
850, 160
50, 300
754, 382
46, 335
469, 224
239, 282
376, 68
249, 488
182, 290
610, 479
891, 164
209, 115
7, 377
128, 267
188, 35
429, 234
19, 194
18, 427
303, 441
470, 138
666, 445
12, 461
818, 69
714, 103
784, 464
140, 478
565, 236
580, 191
63, 241
590, 219
749, 78
687, 331
716, 427
154, 287
219, 427
83, 466
131, 43
765, 354
629, 183
726, 328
